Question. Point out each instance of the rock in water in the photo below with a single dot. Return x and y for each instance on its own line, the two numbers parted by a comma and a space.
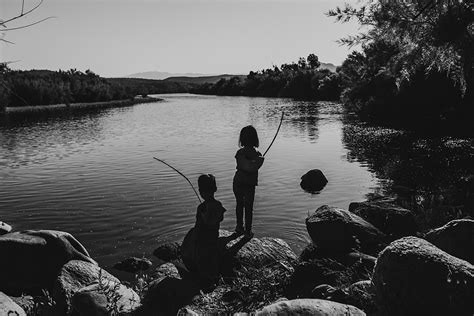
168, 252
413, 277
391, 219
336, 229
456, 238
133, 265
4, 228
316, 307
9, 307
32, 259
105, 299
313, 181
74, 276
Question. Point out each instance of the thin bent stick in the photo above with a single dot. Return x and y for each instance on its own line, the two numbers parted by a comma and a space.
281, 120
195, 192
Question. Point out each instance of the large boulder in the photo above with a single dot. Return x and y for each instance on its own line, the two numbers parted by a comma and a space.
313, 181
32, 259
9, 307
391, 219
412, 276
456, 238
336, 229
316, 307
4, 228
74, 276
104, 298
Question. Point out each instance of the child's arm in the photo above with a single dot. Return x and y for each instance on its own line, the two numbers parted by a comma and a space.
245, 164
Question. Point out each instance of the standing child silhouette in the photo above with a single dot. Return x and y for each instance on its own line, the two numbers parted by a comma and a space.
249, 160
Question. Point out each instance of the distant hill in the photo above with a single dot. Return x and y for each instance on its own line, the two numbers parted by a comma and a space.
328, 66
158, 75
203, 79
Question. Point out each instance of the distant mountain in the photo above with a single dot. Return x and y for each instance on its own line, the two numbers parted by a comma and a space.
202, 79
157, 75
328, 66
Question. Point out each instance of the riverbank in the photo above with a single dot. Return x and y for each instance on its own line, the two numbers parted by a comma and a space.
91, 105
361, 260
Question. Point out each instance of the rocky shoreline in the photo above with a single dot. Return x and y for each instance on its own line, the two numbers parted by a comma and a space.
72, 106
368, 260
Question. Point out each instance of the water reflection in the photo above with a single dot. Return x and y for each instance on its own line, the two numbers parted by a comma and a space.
35, 137
429, 175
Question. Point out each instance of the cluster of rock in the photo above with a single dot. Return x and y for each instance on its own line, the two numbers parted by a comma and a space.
369, 259
46, 272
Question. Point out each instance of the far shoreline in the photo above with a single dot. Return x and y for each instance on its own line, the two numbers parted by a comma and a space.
82, 105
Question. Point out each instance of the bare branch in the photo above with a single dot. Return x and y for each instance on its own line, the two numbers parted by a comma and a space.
23, 13
28, 25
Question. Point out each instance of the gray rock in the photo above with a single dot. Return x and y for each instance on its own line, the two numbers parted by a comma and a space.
313, 181
168, 252
9, 307
133, 265
412, 276
259, 252
32, 259
74, 276
4, 228
104, 298
166, 270
316, 307
336, 229
456, 238
389, 218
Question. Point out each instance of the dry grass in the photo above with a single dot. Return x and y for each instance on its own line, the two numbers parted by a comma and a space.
249, 290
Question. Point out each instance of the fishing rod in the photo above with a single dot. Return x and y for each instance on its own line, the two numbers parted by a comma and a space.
195, 192
281, 121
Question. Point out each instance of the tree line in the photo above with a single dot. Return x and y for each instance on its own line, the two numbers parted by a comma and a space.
300, 80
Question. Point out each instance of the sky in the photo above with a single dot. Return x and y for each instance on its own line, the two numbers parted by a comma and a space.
119, 37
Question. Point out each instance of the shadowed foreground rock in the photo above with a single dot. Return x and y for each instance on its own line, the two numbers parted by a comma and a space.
9, 307
313, 181
456, 238
391, 219
32, 259
74, 276
336, 229
414, 277
106, 298
314, 307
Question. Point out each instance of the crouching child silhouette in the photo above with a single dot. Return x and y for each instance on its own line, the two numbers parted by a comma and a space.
200, 249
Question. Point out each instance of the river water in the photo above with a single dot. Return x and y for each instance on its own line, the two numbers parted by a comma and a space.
92, 173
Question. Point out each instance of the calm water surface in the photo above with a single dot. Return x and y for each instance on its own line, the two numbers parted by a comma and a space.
92, 174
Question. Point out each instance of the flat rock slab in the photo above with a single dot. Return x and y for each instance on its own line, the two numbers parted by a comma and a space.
316, 307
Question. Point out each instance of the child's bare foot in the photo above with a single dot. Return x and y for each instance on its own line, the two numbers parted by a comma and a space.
248, 234
239, 230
